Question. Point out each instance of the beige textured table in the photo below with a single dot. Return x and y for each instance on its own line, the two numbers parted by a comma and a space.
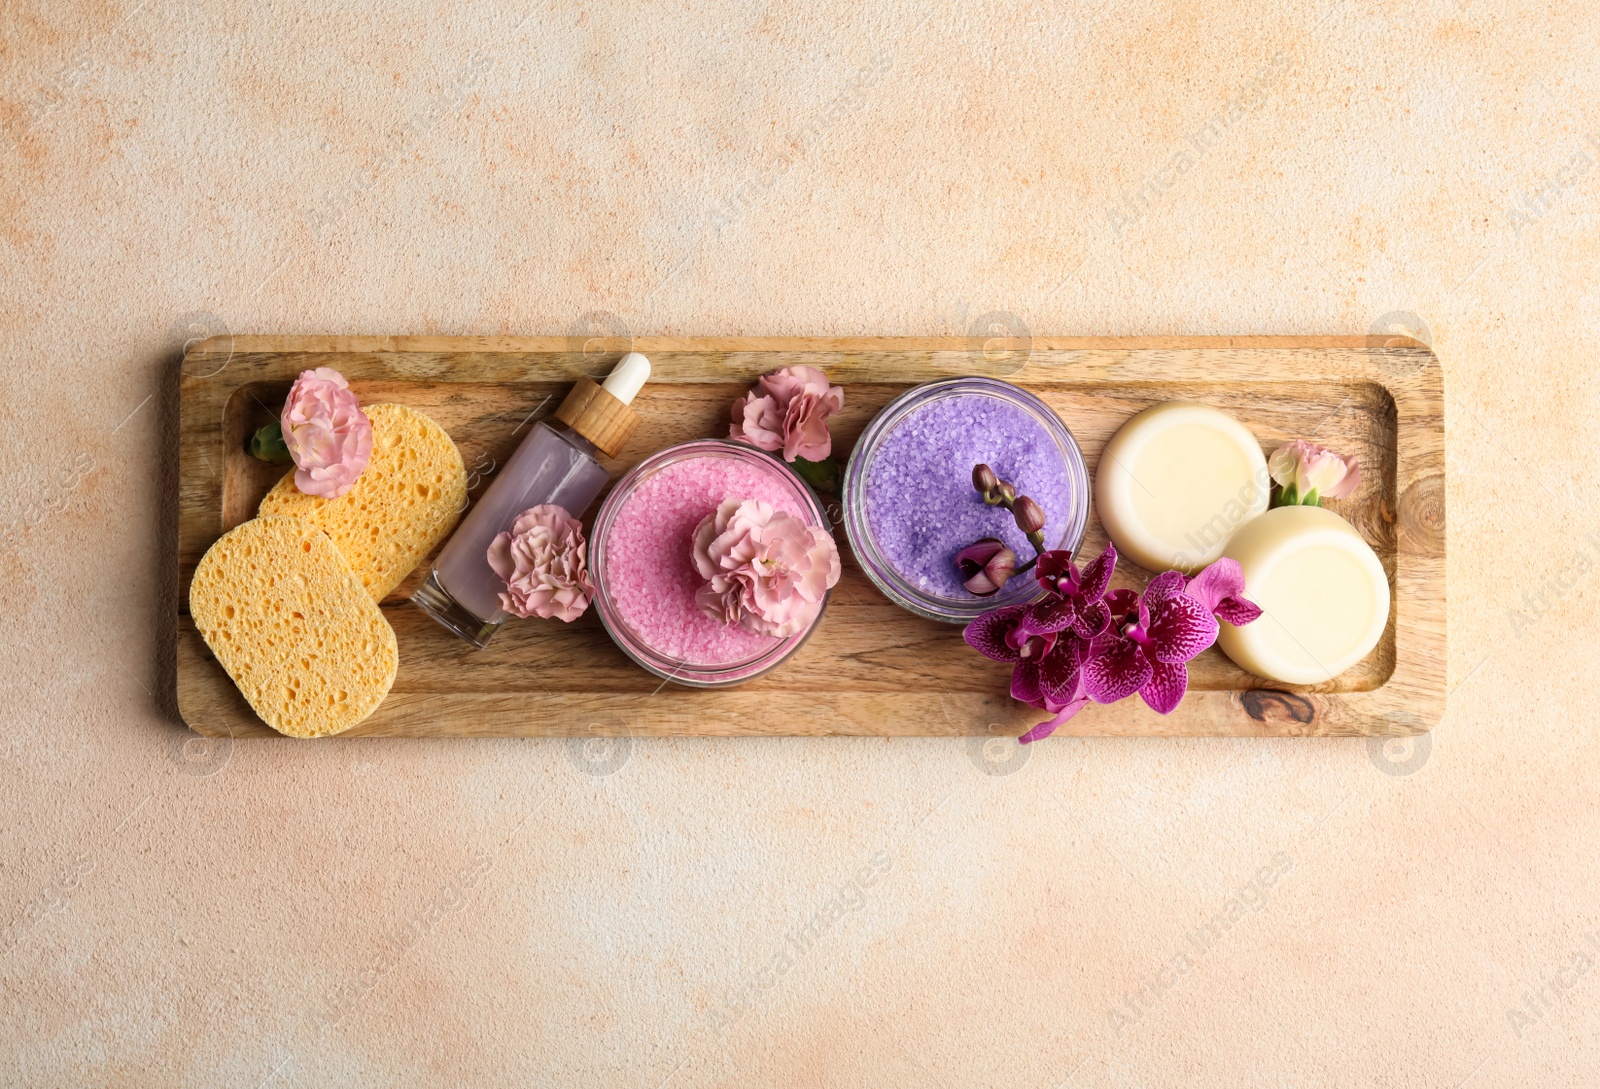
736, 912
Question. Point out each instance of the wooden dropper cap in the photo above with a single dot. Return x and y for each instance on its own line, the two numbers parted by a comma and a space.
601, 413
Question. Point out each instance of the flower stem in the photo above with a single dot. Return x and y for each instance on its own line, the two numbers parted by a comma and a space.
1000, 493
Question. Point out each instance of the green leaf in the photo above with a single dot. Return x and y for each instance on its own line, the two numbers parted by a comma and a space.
267, 444
1311, 499
821, 475
1287, 496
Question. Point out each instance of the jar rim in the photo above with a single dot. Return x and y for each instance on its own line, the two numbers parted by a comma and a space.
858, 529
623, 634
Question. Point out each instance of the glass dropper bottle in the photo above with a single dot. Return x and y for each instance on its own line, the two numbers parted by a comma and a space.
555, 465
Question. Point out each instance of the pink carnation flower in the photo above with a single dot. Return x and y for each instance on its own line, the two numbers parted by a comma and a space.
328, 436
1307, 472
542, 560
766, 571
788, 410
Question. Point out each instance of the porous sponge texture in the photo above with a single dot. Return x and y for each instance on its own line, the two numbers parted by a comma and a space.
407, 500
293, 627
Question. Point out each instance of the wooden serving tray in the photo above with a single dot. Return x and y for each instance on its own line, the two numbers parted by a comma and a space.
871, 668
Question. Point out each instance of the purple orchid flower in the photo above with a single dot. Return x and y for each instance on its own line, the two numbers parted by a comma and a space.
1148, 643
1060, 687
1065, 703
1074, 598
1220, 588
1080, 644
1048, 664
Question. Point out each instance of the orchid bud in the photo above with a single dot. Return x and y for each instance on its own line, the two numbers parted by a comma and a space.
985, 566
1029, 515
1007, 494
971, 560
984, 480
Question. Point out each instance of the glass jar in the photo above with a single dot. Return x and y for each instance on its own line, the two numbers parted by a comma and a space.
909, 503
640, 558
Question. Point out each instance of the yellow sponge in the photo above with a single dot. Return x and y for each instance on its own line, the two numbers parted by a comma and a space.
406, 500
293, 627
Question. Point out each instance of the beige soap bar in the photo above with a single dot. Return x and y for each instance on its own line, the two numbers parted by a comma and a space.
1176, 481
1323, 594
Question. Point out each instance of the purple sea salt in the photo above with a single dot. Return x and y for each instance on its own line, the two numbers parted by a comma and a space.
920, 503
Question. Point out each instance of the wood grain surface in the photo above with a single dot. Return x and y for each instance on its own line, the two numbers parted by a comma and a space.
871, 668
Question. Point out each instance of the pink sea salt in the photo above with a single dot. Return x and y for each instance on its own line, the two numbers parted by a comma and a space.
650, 570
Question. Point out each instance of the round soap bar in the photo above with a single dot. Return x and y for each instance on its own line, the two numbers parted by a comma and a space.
1175, 482
1323, 594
